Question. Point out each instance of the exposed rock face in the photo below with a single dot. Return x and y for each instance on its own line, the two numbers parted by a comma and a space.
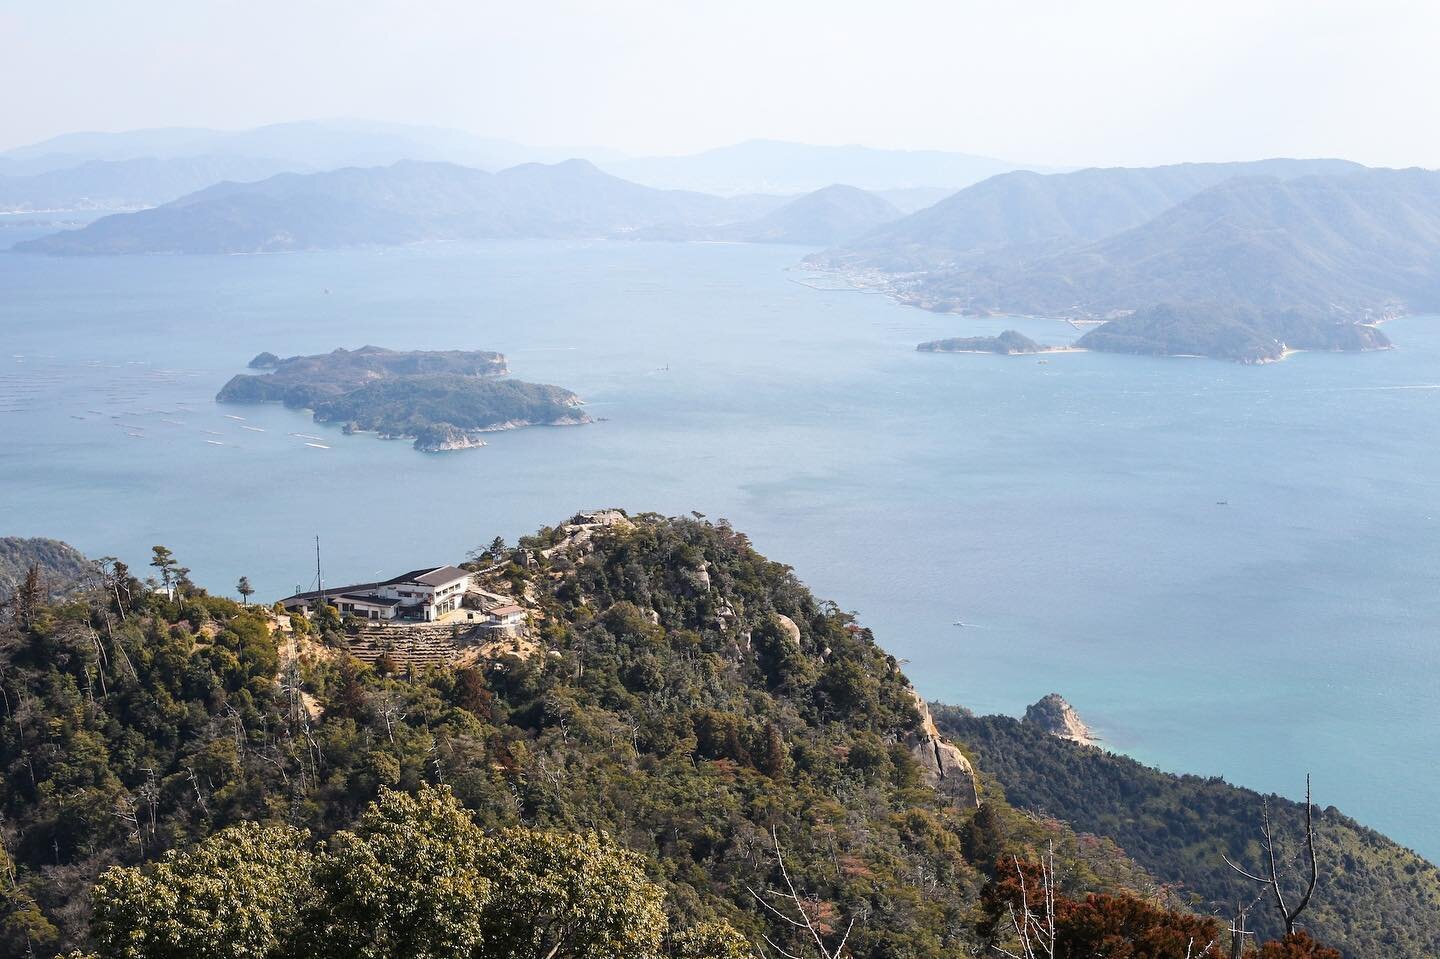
1058, 718
943, 766
582, 527
791, 629
700, 578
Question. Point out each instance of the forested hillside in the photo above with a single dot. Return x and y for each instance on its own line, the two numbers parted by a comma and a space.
59, 567
1375, 898
682, 701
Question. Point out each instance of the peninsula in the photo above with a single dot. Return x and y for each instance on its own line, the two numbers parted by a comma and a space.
443, 400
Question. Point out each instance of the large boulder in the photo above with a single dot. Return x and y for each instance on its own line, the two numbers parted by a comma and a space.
942, 765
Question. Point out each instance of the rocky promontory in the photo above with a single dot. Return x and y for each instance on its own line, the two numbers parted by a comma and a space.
1058, 718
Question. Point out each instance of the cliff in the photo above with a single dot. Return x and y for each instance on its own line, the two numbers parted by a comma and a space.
942, 765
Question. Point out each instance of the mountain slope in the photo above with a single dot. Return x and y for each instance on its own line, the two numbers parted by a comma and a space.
1346, 244
821, 218
301, 145
403, 203
1025, 209
826, 216
127, 184
63, 569
675, 689
1375, 897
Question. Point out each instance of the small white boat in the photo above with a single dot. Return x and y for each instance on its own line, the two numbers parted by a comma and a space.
318, 446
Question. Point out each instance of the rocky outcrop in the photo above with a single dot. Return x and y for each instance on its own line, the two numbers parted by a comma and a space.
576, 535
443, 438
942, 765
1058, 718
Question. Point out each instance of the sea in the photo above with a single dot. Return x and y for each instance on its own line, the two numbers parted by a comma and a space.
1228, 570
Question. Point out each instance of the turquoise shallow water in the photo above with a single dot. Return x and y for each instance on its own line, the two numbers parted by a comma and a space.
1068, 509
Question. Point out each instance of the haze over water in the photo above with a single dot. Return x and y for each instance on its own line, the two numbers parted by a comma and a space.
1228, 570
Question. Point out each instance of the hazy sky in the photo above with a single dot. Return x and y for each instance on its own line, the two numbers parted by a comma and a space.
1082, 81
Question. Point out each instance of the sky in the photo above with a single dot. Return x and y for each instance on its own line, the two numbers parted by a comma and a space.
1034, 81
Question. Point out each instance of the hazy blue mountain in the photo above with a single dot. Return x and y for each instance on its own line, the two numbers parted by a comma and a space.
1024, 209
910, 199
828, 215
824, 217
127, 184
305, 145
1341, 245
771, 166
403, 203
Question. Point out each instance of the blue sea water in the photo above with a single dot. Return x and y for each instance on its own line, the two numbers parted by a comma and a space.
1228, 570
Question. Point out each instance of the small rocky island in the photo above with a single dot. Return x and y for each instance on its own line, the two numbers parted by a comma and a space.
1009, 342
443, 400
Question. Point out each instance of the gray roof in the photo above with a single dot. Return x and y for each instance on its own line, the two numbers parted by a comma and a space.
427, 576
440, 576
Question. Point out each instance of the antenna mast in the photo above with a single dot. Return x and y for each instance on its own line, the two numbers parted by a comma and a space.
319, 580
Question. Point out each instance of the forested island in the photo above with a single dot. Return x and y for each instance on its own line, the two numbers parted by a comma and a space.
682, 722
442, 400
1244, 334
1008, 342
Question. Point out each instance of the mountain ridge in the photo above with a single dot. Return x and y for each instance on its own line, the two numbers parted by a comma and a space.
409, 201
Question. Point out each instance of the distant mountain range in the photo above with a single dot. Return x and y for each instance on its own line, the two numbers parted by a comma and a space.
827, 216
412, 202
1241, 255
1356, 245
128, 169
1030, 210
127, 184
772, 166
302, 146
404, 203
1241, 261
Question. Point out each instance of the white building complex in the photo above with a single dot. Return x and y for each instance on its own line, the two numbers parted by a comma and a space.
421, 595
